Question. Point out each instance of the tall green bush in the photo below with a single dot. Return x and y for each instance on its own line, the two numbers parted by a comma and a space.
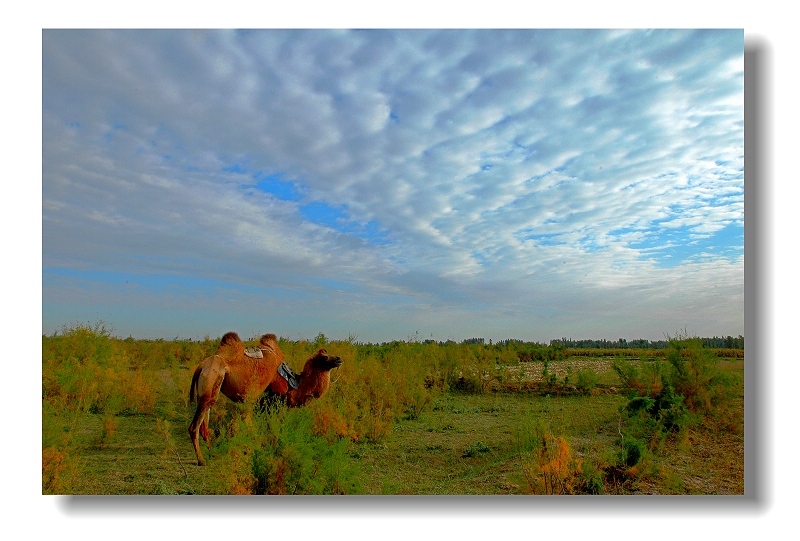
696, 375
275, 451
667, 396
586, 381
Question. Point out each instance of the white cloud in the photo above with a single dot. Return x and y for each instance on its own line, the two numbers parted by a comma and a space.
493, 161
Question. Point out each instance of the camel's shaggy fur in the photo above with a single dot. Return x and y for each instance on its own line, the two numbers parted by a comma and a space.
238, 376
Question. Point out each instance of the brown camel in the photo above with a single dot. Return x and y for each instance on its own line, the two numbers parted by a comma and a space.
240, 373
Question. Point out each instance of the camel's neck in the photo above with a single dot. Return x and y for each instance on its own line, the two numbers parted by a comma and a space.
314, 382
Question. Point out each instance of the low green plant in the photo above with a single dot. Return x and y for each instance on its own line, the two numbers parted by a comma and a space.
163, 427
632, 451
586, 381
548, 464
696, 376
666, 397
108, 428
275, 451
60, 459
675, 392
475, 449
672, 483
591, 477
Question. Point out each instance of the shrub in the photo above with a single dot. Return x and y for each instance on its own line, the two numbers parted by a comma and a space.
275, 451
591, 477
548, 464
665, 397
367, 396
644, 381
687, 386
632, 451
60, 466
85, 369
586, 380
107, 431
329, 422
58, 470
551, 468
413, 376
696, 376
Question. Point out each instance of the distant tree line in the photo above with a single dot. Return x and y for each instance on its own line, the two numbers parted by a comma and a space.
728, 342
717, 342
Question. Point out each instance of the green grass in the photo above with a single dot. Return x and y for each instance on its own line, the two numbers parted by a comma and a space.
399, 419
467, 445
137, 459
464, 445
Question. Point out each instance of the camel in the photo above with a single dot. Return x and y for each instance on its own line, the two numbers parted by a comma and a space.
240, 373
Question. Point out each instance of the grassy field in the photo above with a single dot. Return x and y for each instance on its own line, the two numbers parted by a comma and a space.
465, 445
465, 421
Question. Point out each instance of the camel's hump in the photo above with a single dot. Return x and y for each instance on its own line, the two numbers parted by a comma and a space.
267, 338
229, 339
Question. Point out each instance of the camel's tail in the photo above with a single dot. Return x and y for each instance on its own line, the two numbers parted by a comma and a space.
193, 386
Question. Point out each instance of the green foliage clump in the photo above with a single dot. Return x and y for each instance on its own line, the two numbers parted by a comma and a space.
275, 451
586, 381
632, 451
88, 372
368, 397
668, 396
86, 369
60, 466
696, 376
548, 463
545, 354
475, 449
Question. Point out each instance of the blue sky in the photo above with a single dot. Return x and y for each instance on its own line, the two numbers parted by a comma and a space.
459, 183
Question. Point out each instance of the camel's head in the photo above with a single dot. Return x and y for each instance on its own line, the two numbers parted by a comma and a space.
324, 362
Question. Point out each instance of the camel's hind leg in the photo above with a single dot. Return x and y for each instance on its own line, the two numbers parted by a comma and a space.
200, 418
205, 401
204, 427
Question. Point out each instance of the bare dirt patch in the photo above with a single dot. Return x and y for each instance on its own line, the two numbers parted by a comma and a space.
534, 371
